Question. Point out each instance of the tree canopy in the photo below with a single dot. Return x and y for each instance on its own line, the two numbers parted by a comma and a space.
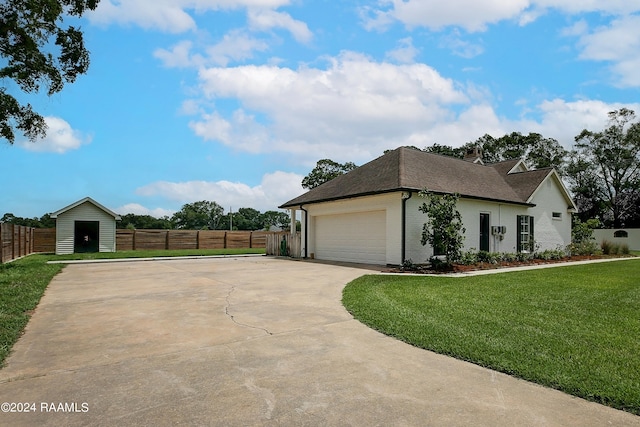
536, 151
604, 171
38, 51
192, 216
326, 170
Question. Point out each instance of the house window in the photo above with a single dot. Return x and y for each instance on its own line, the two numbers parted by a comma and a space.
620, 233
524, 236
557, 215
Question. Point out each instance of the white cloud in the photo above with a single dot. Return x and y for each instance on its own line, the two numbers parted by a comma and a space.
235, 46
405, 53
357, 108
476, 15
275, 189
472, 15
354, 107
264, 20
168, 15
60, 138
618, 43
138, 209
459, 46
179, 56
564, 120
161, 15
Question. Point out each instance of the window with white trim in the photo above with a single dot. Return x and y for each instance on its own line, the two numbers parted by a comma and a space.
524, 236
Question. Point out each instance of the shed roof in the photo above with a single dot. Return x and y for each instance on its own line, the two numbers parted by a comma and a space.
409, 169
89, 200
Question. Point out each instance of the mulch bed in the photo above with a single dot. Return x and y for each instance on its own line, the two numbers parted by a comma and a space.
459, 268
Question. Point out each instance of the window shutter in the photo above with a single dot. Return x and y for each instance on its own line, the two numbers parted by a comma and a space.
531, 235
518, 233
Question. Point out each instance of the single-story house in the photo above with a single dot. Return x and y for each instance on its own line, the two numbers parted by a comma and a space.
85, 226
370, 215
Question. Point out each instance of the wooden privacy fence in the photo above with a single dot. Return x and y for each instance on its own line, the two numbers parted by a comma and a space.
127, 240
284, 244
15, 241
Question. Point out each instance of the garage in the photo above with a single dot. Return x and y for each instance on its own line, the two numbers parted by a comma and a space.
353, 237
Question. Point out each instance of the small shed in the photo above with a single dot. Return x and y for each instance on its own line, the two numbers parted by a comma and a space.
85, 226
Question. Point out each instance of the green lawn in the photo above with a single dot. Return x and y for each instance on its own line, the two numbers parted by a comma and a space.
22, 283
573, 328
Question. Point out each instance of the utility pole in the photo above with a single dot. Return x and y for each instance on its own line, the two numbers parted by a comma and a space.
230, 219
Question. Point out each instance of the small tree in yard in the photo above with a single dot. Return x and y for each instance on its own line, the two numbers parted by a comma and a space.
443, 229
582, 240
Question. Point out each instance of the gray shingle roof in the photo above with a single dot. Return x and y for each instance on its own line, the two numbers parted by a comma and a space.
409, 169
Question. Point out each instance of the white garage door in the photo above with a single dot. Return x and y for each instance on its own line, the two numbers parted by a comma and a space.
354, 237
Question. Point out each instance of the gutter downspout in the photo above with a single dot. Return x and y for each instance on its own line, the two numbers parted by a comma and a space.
306, 229
405, 196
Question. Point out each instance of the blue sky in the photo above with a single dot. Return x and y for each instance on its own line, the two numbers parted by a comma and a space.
236, 100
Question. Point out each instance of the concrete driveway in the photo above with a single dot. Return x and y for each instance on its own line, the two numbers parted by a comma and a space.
242, 342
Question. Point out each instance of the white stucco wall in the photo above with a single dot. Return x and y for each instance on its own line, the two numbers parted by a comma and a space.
65, 228
470, 210
390, 203
633, 239
550, 232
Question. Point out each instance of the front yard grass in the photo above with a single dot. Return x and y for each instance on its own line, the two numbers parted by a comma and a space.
22, 283
573, 328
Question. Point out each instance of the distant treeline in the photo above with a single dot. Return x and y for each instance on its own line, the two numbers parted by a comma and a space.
203, 215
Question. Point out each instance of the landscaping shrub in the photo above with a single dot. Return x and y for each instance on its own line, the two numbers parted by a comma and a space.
489, 257
550, 254
624, 249
469, 257
582, 241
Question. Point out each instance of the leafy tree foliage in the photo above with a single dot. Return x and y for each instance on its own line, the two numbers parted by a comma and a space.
30, 32
203, 215
144, 222
45, 221
275, 219
446, 150
582, 240
536, 151
443, 229
604, 170
325, 171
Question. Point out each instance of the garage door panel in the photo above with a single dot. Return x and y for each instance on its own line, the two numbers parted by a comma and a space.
354, 237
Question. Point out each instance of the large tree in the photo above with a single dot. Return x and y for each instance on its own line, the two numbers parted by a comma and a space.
326, 170
37, 52
605, 170
536, 151
203, 215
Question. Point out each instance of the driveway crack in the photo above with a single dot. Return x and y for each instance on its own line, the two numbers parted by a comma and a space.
232, 317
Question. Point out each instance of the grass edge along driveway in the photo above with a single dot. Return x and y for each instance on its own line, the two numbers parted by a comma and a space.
572, 328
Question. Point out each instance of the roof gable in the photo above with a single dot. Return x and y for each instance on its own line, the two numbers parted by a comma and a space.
85, 200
